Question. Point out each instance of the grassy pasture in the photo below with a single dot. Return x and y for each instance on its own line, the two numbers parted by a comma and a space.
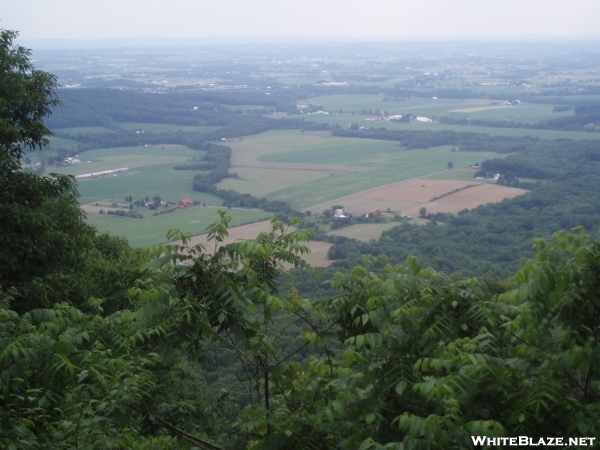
151, 230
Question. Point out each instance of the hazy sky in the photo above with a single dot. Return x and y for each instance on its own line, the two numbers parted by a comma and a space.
98, 19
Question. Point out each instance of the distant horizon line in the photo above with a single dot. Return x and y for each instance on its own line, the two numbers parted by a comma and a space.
255, 39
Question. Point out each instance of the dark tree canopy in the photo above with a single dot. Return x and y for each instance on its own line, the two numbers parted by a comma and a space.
26, 97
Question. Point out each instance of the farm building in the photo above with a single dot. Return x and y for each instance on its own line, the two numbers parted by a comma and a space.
185, 202
375, 213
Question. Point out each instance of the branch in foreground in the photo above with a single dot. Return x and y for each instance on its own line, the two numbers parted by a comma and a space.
187, 436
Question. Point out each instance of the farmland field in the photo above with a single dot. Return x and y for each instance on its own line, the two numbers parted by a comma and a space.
259, 182
171, 185
152, 174
151, 230
409, 196
352, 165
469, 198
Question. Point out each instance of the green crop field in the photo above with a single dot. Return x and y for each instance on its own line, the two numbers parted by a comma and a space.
335, 150
151, 230
171, 185
260, 182
152, 174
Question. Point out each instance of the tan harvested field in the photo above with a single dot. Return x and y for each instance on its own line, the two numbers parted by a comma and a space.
317, 257
105, 205
469, 198
318, 254
399, 197
408, 197
94, 209
259, 182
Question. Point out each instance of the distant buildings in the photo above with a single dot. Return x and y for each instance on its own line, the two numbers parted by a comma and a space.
105, 173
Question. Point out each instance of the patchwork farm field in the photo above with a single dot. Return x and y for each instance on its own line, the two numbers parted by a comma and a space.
351, 165
151, 230
308, 169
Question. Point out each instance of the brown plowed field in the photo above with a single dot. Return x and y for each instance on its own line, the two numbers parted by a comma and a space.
409, 196
469, 198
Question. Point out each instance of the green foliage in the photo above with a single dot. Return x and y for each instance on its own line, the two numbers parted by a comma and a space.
27, 97
69, 378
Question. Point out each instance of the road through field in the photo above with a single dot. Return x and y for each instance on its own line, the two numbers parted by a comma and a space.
372, 189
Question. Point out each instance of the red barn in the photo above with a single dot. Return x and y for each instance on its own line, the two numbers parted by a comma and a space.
185, 202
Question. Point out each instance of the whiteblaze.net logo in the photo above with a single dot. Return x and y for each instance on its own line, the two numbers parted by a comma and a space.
525, 441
